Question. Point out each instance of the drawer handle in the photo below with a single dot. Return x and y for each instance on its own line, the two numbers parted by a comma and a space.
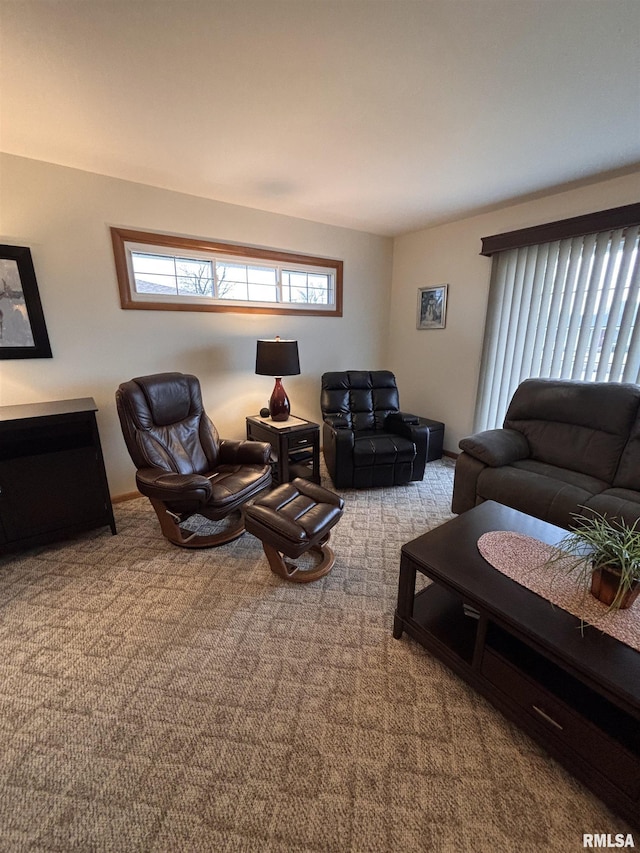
547, 717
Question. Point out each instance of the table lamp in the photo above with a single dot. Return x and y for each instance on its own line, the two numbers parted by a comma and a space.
278, 358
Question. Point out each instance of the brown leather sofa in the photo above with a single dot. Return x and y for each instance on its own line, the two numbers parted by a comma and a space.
565, 446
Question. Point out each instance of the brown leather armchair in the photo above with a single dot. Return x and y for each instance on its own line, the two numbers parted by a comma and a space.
183, 467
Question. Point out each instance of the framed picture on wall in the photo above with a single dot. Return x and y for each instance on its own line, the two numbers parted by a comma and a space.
23, 332
432, 307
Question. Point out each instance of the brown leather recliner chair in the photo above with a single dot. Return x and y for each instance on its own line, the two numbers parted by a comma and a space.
184, 468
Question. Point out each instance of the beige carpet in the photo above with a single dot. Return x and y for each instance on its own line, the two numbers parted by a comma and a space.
156, 699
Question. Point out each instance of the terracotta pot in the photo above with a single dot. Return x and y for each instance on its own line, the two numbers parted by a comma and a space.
604, 586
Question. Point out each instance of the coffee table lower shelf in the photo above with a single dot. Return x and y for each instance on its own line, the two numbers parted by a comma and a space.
595, 734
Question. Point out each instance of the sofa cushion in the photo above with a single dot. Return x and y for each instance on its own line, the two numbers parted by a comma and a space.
618, 503
582, 426
628, 473
379, 448
544, 491
572, 478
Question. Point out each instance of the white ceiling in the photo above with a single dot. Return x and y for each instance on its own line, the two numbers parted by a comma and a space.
380, 115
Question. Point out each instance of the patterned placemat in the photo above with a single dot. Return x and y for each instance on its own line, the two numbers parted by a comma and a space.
522, 559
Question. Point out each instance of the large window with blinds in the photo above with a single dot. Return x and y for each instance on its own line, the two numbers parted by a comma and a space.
562, 304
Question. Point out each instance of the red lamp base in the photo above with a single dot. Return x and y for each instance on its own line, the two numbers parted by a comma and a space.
279, 407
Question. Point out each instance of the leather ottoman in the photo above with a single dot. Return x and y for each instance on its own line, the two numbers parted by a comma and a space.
295, 518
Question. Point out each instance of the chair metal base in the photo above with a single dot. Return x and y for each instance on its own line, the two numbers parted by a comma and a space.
170, 526
291, 572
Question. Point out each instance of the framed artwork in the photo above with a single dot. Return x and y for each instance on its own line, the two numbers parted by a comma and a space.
432, 307
23, 332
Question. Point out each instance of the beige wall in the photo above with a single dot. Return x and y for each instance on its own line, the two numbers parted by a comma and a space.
64, 215
437, 370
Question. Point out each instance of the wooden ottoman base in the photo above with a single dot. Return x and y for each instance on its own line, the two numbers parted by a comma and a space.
291, 572
290, 521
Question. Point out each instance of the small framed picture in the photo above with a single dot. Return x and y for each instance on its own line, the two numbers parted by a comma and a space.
23, 331
432, 307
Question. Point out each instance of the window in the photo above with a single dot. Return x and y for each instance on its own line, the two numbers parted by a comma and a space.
567, 307
161, 272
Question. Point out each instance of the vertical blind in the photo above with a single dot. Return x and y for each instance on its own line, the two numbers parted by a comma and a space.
565, 310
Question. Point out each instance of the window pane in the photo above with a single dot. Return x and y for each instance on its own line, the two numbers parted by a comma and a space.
153, 273
232, 290
297, 286
261, 275
194, 277
149, 283
195, 285
319, 288
319, 281
143, 263
193, 266
263, 293
318, 295
298, 279
232, 272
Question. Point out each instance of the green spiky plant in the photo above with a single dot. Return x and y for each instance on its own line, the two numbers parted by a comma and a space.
599, 542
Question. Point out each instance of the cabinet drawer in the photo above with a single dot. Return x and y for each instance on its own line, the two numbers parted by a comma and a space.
300, 441
565, 724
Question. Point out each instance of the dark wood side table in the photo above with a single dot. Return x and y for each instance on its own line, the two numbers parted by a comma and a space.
575, 691
52, 478
295, 446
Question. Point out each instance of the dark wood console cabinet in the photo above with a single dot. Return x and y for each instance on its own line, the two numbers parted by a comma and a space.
52, 478
575, 690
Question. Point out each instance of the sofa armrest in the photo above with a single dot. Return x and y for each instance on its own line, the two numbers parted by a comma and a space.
416, 429
337, 446
396, 418
496, 447
465, 483
244, 452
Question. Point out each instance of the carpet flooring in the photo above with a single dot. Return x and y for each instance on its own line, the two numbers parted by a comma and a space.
157, 699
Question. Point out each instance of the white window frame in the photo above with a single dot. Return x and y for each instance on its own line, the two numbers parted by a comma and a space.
126, 242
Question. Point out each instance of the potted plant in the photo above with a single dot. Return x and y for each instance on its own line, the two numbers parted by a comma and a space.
604, 554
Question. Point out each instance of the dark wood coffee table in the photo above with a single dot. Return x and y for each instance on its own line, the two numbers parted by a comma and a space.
572, 688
